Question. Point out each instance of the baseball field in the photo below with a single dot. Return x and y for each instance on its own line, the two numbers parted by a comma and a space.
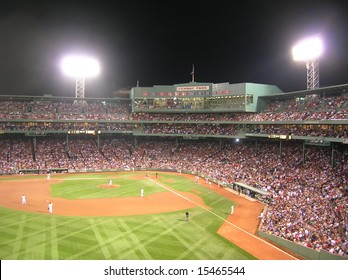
95, 219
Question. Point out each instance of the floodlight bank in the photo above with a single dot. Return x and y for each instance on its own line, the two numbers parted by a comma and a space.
308, 49
80, 66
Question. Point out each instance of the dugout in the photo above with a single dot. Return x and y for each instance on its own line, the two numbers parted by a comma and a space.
251, 191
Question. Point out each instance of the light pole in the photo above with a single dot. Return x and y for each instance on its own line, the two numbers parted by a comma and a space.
80, 67
309, 50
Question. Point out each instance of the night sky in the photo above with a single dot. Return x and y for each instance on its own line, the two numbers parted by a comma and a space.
156, 43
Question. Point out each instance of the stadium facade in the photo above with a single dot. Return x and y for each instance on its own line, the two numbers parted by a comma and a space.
191, 111
200, 97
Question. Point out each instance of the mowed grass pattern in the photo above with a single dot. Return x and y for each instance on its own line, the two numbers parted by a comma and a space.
165, 236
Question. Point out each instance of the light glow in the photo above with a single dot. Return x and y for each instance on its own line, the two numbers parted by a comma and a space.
308, 49
80, 66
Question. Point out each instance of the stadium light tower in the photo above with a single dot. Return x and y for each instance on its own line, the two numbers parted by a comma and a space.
80, 67
309, 50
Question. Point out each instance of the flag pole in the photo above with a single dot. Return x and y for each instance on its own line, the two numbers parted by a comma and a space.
193, 73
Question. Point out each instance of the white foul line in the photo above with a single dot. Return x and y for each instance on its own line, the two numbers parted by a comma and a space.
254, 236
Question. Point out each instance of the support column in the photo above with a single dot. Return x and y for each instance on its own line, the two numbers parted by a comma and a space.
34, 143
333, 157
280, 148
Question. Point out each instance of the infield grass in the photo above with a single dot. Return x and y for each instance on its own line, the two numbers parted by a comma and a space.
165, 236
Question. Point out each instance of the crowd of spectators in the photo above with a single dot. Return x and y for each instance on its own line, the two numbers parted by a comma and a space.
298, 130
58, 110
332, 131
294, 109
66, 126
201, 129
306, 108
43, 116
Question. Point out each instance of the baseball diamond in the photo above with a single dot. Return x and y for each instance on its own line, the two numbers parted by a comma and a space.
88, 219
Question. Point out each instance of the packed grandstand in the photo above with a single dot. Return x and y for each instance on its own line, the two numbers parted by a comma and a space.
292, 155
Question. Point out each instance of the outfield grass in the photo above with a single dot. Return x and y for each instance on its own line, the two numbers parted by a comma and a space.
165, 236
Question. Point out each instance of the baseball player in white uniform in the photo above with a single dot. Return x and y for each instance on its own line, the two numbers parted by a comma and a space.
24, 200
50, 208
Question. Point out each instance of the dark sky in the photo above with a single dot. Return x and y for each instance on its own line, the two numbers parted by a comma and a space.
156, 42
